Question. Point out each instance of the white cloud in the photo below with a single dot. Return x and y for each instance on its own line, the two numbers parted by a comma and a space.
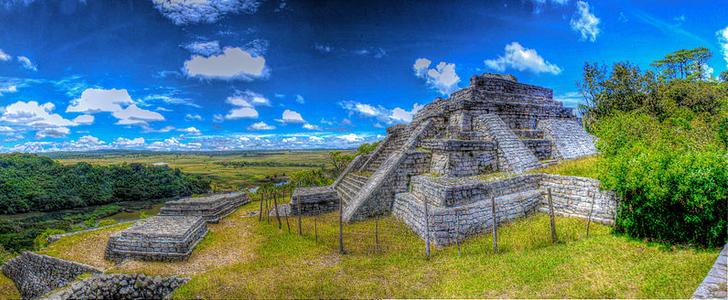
584, 22
315, 139
4, 56
323, 48
290, 116
26, 63
173, 144
310, 126
7, 88
55, 132
190, 130
126, 143
300, 99
442, 77
84, 120
351, 137
242, 113
100, 100
183, 12
33, 114
522, 59
723, 40
570, 99
193, 117
168, 99
218, 118
204, 48
86, 143
133, 115
233, 63
245, 103
396, 115
261, 126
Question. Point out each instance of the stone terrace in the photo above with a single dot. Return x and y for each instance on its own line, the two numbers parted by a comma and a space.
165, 238
212, 208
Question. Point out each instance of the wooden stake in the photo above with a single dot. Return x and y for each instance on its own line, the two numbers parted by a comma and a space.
341, 227
267, 211
457, 230
298, 205
275, 207
591, 210
554, 238
260, 210
427, 232
495, 224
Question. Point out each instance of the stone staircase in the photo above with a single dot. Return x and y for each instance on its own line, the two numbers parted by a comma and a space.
386, 151
350, 186
514, 152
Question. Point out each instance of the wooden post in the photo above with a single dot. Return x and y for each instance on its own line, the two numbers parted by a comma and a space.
260, 210
427, 232
376, 234
591, 210
341, 227
495, 224
275, 207
457, 230
267, 211
554, 238
298, 205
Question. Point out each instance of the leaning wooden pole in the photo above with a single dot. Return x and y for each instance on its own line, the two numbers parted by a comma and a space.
427, 232
275, 206
495, 224
267, 210
341, 227
260, 210
554, 238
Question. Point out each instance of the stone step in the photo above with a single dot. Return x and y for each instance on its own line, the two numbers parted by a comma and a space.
361, 180
528, 133
352, 187
348, 189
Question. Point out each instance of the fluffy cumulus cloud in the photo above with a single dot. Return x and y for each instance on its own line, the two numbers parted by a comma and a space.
32, 115
261, 126
382, 114
584, 22
173, 144
300, 99
204, 48
116, 101
121, 142
522, 59
84, 120
190, 131
233, 63
245, 103
351, 137
6, 88
56, 132
26, 63
183, 12
4, 56
193, 117
723, 39
310, 126
442, 77
290, 116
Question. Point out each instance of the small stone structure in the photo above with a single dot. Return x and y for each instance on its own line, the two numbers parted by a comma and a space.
165, 238
36, 274
461, 207
212, 208
314, 200
715, 284
495, 125
120, 286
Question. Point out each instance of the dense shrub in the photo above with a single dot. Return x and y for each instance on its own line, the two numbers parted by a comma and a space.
33, 183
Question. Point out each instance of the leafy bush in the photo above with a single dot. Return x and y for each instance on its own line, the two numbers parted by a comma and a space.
41, 241
315, 177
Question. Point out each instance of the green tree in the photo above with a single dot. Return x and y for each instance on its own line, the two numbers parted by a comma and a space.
684, 64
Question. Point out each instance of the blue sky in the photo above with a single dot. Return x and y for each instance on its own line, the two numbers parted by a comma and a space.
248, 74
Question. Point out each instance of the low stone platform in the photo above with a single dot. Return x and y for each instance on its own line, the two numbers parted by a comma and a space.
212, 208
459, 207
314, 200
164, 238
35, 274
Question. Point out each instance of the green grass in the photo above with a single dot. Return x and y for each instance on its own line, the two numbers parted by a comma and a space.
582, 167
242, 258
223, 177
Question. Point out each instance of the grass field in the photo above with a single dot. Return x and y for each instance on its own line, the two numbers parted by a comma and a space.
223, 177
244, 258
583, 167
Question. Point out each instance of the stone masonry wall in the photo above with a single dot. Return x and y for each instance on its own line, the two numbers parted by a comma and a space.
569, 139
35, 274
573, 196
314, 200
121, 287
715, 284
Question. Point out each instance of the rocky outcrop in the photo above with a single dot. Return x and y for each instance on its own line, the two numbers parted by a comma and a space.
35, 274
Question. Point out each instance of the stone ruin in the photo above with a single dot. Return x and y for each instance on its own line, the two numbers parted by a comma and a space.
496, 125
212, 208
164, 238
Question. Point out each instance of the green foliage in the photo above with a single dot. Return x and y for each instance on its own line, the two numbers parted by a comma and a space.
367, 148
339, 160
41, 241
34, 183
108, 222
663, 145
315, 177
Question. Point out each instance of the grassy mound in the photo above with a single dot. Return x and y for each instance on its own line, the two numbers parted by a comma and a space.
242, 258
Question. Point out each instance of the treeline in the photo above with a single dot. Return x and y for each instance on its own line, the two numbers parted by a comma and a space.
242, 164
30, 182
663, 135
